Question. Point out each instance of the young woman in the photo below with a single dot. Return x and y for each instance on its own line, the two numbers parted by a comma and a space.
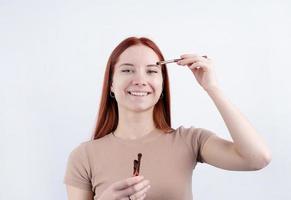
134, 118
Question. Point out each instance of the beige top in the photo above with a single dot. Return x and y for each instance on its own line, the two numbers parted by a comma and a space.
167, 161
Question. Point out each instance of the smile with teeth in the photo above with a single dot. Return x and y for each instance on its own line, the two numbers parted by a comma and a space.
140, 94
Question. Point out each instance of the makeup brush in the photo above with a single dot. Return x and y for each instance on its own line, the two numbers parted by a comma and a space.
168, 61
136, 165
171, 61
139, 160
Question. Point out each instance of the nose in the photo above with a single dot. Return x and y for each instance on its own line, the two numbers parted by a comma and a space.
139, 79
140, 82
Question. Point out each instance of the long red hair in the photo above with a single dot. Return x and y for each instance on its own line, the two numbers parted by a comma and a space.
107, 119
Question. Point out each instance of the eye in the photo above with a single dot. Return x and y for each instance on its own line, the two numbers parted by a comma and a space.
126, 70
152, 71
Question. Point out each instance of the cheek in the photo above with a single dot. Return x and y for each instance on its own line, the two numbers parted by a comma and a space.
120, 81
158, 84
119, 89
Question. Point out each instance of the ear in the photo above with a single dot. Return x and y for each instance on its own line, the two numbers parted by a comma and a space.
111, 87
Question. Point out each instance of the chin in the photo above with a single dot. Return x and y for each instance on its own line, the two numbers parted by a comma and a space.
140, 108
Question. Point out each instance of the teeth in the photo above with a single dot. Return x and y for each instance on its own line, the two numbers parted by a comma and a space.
138, 93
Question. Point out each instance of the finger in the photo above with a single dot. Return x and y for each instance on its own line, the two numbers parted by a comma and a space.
124, 198
198, 65
188, 61
189, 55
142, 197
141, 193
135, 188
128, 182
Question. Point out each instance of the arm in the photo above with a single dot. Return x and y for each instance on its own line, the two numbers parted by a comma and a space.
247, 151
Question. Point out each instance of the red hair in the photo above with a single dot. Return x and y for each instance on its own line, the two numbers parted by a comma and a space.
107, 119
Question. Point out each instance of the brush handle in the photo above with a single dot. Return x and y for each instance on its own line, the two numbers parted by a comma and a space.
173, 60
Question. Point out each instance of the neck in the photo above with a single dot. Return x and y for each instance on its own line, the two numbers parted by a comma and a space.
133, 125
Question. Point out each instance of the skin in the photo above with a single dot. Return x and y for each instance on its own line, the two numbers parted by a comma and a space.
247, 150
135, 113
135, 187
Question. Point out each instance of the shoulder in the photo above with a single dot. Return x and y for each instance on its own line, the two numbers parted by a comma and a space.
192, 130
87, 148
193, 134
79, 151
87, 145
184, 131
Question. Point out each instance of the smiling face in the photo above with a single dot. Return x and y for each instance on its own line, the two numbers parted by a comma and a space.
137, 80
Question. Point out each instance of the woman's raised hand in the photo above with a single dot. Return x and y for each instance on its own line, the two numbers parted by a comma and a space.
202, 68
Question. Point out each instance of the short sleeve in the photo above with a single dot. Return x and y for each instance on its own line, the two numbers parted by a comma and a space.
202, 136
78, 172
196, 138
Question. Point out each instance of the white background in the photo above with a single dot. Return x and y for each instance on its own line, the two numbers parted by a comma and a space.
53, 55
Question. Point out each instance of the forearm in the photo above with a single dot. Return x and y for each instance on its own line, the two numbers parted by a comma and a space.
247, 141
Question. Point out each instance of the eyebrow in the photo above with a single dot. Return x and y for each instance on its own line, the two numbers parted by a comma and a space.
130, 64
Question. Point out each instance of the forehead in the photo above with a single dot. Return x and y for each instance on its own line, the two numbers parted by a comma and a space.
138, 54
